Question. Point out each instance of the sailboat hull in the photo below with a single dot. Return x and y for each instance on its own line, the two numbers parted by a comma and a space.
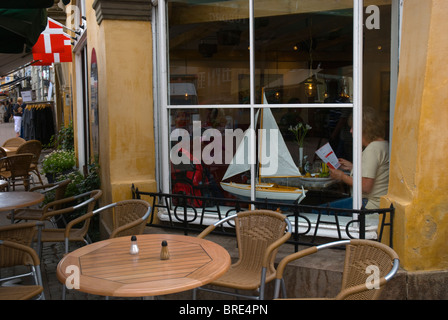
265, 191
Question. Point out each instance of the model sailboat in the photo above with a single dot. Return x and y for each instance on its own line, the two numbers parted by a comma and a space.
285, 165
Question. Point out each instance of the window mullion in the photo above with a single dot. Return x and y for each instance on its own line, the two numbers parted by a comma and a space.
163, 77
358, 8
253, 137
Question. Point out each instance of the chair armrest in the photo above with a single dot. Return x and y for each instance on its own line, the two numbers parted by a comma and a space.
297, 255
206, 231
212, 227
49, 206
274, 246
47, 213
126, 226
277, 244
30, 251
75, 221
45, 188
104, 208
358, 289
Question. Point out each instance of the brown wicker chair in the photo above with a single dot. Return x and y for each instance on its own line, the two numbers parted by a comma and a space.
14, 254
356, 279
13, 143
16, 168
259, 234
58, 188
3, 153
35, 148
71, 233
129, 217
23, 233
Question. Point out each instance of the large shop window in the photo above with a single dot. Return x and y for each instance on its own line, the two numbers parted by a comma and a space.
267, 68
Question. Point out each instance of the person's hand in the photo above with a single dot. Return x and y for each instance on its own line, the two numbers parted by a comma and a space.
336, 174
345, 164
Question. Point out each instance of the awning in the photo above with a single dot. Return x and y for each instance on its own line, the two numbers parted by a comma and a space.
21, 23
26, 4
13, 61
20, 29
13, 82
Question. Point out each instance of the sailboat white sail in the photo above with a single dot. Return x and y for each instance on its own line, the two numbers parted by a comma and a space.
281, 164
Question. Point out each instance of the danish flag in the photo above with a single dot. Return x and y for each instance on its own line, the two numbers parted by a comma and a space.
53, 45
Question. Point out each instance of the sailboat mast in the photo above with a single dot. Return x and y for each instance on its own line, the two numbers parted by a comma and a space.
260, 146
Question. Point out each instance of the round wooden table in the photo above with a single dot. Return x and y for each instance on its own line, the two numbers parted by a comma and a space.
12, 200
107, 268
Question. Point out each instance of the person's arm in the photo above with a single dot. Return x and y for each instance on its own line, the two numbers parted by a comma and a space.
367, 183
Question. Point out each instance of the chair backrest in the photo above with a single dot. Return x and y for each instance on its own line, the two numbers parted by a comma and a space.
129, 213
57, 190
18, 164
22, 233
362, 259
2, 153
32, 146
16, 254
13, 142
90, 200
256, 230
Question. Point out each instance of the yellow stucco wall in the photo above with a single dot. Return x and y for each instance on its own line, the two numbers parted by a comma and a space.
125, 104
418, 180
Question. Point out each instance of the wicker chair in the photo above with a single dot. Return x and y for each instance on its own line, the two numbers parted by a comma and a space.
259, 234
23, 233
13, 143
16, 168
129, 217
71, 233
356, 279
35, 148
58, 188
3, 153
14, 254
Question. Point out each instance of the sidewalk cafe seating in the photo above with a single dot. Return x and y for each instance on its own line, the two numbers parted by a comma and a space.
12, 144
16, 168
23, 233
71, 232
362, 259
259, 234
14, 254
129, 217
35, 148
57, 189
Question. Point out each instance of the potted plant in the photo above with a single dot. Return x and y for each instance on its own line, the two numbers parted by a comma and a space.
58, 162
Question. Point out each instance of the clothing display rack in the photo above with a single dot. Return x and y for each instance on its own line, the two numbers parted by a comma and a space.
38, 121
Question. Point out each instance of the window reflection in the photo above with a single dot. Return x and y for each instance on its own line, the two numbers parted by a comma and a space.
303, 55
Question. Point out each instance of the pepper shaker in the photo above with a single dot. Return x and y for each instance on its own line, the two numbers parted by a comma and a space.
134, 246
164, 253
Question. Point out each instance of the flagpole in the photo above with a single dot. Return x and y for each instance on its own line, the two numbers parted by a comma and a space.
63, 26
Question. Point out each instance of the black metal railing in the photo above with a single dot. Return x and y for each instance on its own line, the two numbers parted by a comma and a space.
189, 214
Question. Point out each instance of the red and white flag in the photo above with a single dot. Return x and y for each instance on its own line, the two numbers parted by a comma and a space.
53, 45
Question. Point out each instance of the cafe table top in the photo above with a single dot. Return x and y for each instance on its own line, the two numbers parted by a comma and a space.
12, 200
107, 268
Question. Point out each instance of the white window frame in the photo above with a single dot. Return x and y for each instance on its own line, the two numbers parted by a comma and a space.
356, 105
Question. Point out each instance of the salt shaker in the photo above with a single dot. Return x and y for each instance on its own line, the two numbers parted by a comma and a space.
164, 253
134, 246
